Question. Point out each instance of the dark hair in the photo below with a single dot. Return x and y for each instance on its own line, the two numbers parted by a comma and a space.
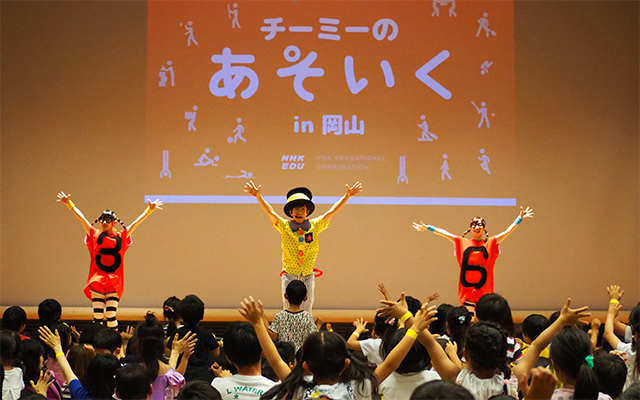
101, 376
49, 312
287, 353
458, 323
569, 349
9, 346
611, 372
534, 325
474, 221
413, 304
191, 310
494, 308
65, 335
198, 390
438, 326
632, 392
79, 359
133, 382
387, 334
89, 332
241, 344
380, 325
31, 350
296, 291
554, 316
109, 214
325, 354
107, 339
170, 312
441, 390
416, 360
151, 343
634, 321
486, 347
13, 318
31, 396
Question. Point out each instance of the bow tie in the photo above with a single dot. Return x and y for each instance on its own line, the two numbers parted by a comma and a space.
295, 226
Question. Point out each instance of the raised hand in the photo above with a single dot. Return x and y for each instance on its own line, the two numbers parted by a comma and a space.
528, 213
63, 198
384, 291
50, 339
361, 325
354, 190
571, 316
424, 318
252, 311
614, 292
252, 189
392, 308
421, 227
155, 204
44, 381
187, 342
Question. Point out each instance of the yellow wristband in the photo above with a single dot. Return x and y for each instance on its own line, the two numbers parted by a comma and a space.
406, 316
148, 210
330, 330
59, 354
70, 205
613, 301
355, 333
412, 334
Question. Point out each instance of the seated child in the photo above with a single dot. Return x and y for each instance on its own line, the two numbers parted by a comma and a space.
532, 327
243, 350
15, 319
293, 324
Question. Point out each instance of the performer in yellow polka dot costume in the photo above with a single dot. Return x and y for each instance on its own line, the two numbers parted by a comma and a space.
300, 235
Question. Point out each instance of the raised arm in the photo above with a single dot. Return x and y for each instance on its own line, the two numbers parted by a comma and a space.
66, 200
568, 317
528, 213
609, 335
351, 191
253, 312
153, 205
55, 343
361, 326
421, 227
254, 190
615, 294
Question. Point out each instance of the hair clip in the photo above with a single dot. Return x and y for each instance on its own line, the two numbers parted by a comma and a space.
462, 319
392, 321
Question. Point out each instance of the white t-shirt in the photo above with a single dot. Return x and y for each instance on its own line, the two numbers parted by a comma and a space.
632, 374
567, 394
482, 389
371, 350
12, 384
245, 387
401, 386
339, 391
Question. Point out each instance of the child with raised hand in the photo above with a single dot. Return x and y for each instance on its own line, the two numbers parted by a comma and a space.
300, 234
33, 367
631, 349
372, 347
325, 355
107, 247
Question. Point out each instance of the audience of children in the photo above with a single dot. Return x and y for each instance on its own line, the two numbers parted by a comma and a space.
475, 361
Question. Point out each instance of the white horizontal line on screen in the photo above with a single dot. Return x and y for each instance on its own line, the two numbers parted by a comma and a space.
362, 200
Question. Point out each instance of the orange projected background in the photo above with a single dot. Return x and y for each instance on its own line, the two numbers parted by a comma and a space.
83, 111
289, 93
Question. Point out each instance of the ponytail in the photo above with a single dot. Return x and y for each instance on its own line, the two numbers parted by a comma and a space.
587, 387
151, 344
571, 354
112, 215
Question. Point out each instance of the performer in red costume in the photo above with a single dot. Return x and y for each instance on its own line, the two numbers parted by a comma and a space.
476, 256
106, 247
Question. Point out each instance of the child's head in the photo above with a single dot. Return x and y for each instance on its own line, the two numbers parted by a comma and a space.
170, 309
570, 356
79, 358
413, 304
477, 227
133, 382
486, 347
108, 220
533, 326
416, 360
611, 372
296, 292
14, 319
287, 353
150, 343
241, 345
191, 310
107, 341
441, 390
438, 326
32, 360
381, 326
9, 347
100, 380
49, 312
198, 390
494, 308
65, 338
89, 332
457, 323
